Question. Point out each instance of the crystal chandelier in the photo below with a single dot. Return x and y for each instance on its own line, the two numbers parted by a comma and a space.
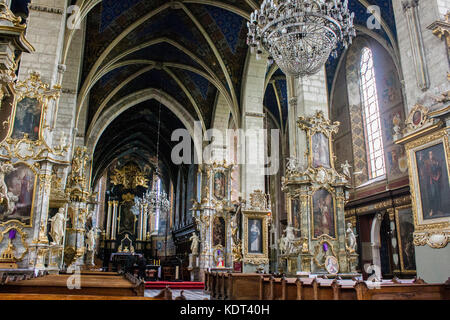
300, 35
155, 199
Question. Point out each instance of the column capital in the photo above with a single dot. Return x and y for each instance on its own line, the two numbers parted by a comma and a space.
408, 4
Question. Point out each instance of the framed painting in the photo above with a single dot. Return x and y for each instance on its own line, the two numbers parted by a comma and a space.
405, 230
320, 147
19, 185
219, 232
255, 237
323, 220
295, 209
127, 220
6, 108
220, 185
429, 176
27, 119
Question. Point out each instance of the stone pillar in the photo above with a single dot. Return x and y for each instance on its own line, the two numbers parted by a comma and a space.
46, 28
424, 56
306, 96
253, 144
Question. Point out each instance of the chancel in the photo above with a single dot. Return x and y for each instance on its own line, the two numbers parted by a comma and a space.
258, 149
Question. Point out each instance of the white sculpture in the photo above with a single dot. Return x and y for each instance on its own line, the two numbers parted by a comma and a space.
90, 239
195, 243
287, 242
6, 197
57, 226
90, 242
292, 164
346, 169
351, 239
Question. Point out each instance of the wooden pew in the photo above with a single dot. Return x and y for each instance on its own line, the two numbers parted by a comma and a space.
396, 291
100, 285
32, 296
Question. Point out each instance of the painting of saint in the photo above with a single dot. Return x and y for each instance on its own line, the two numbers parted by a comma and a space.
295, 207
219, 258
406, 239
255, 236
433, 182
5, 113
127, 218
320, 151
323, 214
219, 232
20, 185
27, 119
219, 186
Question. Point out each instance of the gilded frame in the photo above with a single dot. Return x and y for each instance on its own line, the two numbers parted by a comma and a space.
256, 258
310, 134
311, 203
43, 105
399, 240
23, 237
8, 91
226, 225
35, 190
433, 139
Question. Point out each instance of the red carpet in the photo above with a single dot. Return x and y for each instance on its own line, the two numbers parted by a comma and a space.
174, 285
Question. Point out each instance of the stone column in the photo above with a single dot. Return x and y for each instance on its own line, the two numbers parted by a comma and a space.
46, 28
423, 56
253, 144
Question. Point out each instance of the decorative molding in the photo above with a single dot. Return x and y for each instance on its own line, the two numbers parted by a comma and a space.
40, 8
436, 240
255, 114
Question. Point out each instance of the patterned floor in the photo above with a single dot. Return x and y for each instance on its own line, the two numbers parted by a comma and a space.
189, 294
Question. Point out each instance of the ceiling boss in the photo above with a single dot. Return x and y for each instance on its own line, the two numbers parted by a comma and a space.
300, 35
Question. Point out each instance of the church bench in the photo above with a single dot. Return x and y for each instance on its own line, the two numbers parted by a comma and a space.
99, 285
402, 291
31, 296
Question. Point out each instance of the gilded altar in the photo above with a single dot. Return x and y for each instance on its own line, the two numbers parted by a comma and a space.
316, 239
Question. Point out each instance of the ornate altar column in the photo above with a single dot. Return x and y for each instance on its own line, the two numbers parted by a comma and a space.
78, 209
212, 217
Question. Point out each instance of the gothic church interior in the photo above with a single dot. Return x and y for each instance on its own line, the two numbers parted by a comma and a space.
294, 149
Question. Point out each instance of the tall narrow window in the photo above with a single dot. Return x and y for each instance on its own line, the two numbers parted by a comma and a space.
371, 115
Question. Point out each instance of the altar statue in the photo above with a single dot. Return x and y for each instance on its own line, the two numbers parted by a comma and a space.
195, 243
351, 239
57, 226
287, 242
90, 240
6, 198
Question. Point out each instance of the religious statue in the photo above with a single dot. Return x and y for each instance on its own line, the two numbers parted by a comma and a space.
351, 239
90, 239
287, 242
346, 169
90, 242
195, 243
6, 198
292, 164
57, 226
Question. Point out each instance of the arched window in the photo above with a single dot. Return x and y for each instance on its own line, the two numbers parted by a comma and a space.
371, 116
